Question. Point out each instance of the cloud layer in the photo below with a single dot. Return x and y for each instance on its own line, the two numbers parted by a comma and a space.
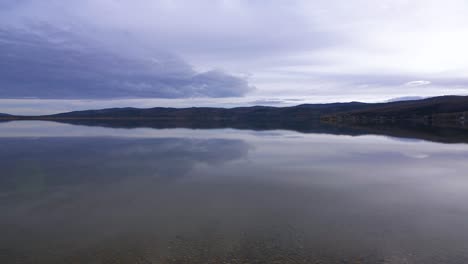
321, 50
45, 62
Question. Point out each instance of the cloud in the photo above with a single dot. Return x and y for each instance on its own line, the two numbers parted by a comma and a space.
405, 98
267, 102
275, 101
417, 83
46, 62
337, 50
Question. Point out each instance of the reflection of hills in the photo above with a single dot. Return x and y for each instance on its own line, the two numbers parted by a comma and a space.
443, 134
352, 118
446, 133
36, 163
440, 119
313, 126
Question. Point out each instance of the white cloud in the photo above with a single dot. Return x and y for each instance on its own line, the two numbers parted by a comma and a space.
417, 83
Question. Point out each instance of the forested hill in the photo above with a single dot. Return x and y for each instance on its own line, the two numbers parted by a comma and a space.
450, 107
453, 108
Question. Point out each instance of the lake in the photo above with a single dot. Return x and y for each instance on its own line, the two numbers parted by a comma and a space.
91, 194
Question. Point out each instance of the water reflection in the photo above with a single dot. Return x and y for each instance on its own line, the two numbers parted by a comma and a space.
74, 195
50, 162
444, 133
457, 133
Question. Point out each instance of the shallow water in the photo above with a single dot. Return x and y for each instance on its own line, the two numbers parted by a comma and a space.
77, 194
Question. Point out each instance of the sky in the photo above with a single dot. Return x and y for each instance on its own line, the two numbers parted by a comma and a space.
62, 55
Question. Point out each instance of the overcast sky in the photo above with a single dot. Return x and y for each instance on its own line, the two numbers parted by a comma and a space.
59, 55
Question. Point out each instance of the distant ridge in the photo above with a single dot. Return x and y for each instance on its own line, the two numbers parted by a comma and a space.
435, 109
453, 108
305, 112
438, 119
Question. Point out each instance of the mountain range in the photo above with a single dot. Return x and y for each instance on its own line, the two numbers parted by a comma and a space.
439, 119
433, 110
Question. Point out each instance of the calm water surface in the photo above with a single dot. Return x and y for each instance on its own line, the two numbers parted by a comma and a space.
76, 194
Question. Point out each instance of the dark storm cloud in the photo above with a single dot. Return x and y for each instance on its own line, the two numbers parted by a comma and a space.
47, 62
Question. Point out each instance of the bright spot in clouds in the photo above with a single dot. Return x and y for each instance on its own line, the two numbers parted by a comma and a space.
417, 83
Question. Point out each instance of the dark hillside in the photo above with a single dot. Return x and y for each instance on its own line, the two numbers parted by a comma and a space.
441, 109
436, 108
